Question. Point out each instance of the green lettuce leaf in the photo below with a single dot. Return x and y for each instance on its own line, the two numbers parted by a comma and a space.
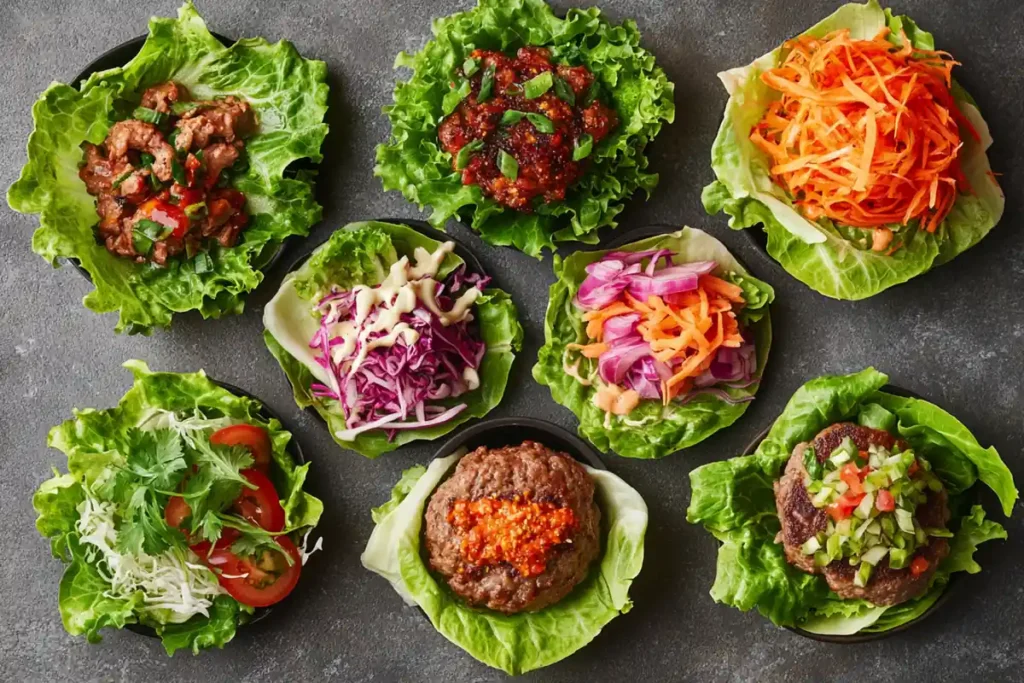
835, 261
651, 431
412, 160
362, 253
93, 442
289, 95
734, 500
521, 642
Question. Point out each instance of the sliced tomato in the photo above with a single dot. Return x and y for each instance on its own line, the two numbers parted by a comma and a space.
844, 506
252, 437
919, 566
913, 469
850, 474
884, 501
258, 581
176, 512
260, 505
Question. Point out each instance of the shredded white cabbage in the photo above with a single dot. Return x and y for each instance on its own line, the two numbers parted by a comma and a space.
175, 584
319, 545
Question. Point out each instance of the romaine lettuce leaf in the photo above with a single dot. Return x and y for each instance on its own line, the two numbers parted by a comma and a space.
819, 254
362, 253
735, 501
199, 633
412, 160
655, 431
521, 642
289, 95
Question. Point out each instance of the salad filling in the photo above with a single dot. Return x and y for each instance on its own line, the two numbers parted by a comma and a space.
393, 351
162, 177
523, 128
662, 331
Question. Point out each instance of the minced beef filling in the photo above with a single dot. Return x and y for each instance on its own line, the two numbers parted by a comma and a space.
551, 152
161, 177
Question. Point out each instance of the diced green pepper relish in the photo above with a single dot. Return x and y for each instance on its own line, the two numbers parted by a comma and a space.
870, 497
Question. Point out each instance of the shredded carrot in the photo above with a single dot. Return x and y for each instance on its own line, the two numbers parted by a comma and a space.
866, 133
684, 330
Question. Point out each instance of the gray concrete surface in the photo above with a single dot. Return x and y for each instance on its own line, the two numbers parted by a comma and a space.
954, 335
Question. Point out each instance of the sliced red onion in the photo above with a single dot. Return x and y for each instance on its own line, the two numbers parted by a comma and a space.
616, 361
672, 280
620, 326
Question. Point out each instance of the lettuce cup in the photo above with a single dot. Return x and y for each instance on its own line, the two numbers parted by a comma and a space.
387, 334
851, 517
865, 171
655, 345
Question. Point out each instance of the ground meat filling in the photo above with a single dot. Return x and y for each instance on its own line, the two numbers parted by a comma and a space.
161, 177
548, 132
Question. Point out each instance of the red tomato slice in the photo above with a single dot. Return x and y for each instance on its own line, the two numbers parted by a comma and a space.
176, 512
885, 502
258, 581
260, 505
252, 437
227, 537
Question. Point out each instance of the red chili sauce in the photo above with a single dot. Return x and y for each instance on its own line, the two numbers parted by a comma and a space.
517, 531
546, 167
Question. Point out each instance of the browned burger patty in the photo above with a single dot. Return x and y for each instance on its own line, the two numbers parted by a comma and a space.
504, 473
800, 520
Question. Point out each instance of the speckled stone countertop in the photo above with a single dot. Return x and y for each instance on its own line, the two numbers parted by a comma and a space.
955, 335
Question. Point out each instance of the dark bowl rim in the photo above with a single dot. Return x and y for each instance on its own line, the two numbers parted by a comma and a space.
571, 444
865, 637
462, 250
294, 450
119, 56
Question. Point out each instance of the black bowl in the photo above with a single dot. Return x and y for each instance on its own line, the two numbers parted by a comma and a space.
294, 450
473, 264
864, 637
119, 56
511, 431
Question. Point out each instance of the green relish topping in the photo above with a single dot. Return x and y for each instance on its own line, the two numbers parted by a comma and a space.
870, 497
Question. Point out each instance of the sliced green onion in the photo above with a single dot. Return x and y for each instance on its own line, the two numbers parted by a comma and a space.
874, 555
154, 182
840, 458
153, 230
863, 510
821, 559
486, 83
845, 527
905, 520
592, 94
584, 146
542, 123
938, 533
180, 108
822, 496
453, 97
842, 487
142, 244
470, 66
203, 262
197, 209
538, 85
149, 115
199, 155
565, 92
834, 547
810, 546
120, 179
462, 158
511, 117
508, 165
178, 172
147, 159
898, 558
863, 575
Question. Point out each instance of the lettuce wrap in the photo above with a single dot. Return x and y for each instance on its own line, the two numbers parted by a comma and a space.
522, 642
289, 96
650, 430
837, 260
735, 501
361, 254
413, 162
116, 460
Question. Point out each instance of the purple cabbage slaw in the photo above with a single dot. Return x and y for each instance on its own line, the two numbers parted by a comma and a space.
395, 386
629, 361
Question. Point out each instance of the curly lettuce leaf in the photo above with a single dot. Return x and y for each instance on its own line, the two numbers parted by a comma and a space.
833, 260
94, 442
651, 431
412, 160
289, 95
362, 253
734, 500
521, 642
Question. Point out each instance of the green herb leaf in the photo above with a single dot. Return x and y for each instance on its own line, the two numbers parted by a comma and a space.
153, 230
462, 158
154, 182
508, 165
180, 108
584, 146
470, 66
142, 244
202, 263
149, 115
565, 92
538, 85
178, 172
511, 117
453, 97
542, 123
486, 84
812, 464
147, 159
592, 94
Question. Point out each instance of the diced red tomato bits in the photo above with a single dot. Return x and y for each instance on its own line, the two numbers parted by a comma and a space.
851, 475
919, 566
844, 506
884, 501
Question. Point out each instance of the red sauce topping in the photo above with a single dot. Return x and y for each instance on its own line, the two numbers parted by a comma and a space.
546, 167
517, 531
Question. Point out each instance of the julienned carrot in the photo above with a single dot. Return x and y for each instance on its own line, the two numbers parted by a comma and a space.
684, 330
866, 133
